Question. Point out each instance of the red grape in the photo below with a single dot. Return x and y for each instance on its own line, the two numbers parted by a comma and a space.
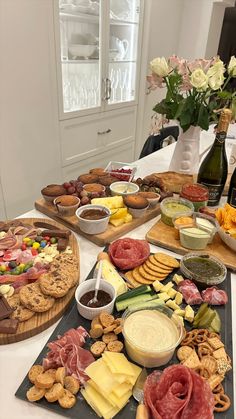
85, 200
71, 190
66, 185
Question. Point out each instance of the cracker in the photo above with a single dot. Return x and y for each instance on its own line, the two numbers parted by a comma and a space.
152, 269
131, 280
96, 331
44, 380
34, 371
98, 348
67, 400
157, 264
210, 363
115, 346
215, 380
146, 275
223, 366
140, 278
192, 361
106, 319
53, 394
204, 349
72, 384
95, 321
60, 375
110, 337
166, 260
184, 352
215, 343
109, 328
34, 393
118, 329
220, 353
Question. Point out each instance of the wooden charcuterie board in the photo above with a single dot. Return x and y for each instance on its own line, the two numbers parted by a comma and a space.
112, 233
164, 236
41, 321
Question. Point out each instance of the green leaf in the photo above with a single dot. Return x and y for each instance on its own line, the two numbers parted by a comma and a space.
203, 117
224, 95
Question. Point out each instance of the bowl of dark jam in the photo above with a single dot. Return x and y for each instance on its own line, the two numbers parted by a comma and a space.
93, 219
203, 269
85, 292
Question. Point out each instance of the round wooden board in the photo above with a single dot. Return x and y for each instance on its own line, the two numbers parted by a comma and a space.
41, 321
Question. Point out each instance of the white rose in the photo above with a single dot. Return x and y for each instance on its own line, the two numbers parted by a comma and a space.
216, 81
217, 68
199, 80
232, 66
160, 67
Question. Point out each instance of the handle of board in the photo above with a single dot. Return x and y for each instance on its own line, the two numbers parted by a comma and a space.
142, 412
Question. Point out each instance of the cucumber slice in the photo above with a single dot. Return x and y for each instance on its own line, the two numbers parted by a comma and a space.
216, 323
143, 289
157, 302
201, 311
122, 305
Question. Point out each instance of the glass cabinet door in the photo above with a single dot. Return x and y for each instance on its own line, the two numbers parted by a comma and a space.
79, 24
123, 50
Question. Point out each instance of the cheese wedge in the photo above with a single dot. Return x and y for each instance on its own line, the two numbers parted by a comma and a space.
110, 274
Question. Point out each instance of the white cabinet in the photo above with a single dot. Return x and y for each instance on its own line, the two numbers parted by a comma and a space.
98, 44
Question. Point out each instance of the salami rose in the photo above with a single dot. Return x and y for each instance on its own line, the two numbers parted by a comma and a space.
128, 253
178, 393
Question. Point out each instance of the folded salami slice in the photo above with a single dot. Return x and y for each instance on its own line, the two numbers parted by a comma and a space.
214, 296
178, 393
128, 253
190, 292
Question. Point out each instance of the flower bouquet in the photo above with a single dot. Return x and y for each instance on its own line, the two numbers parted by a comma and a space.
195, 89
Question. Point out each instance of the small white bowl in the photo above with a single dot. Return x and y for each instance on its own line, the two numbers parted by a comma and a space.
131, 188
93, 226
89, 285
227, 239
137, 212
84, 51
152, 201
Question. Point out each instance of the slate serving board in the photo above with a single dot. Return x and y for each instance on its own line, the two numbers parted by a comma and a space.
82, 410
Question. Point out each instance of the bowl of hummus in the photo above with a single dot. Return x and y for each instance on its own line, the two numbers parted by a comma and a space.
151, 335
171, 207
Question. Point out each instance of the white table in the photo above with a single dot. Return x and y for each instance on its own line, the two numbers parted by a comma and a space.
17, 358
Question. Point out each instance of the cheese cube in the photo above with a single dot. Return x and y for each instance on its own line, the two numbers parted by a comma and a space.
172, 304
168, 286
172, 293
189, 314
177, 278
180, 312
178, 298
163, 296
157, 285
117, 222
113, 202
118, 213
128, 218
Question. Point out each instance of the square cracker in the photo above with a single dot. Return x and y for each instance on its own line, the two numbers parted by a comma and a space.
192, 361
215, 343
214, 380
220, 353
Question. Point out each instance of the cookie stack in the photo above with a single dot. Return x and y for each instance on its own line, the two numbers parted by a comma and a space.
157, 266
41, 295
54, 385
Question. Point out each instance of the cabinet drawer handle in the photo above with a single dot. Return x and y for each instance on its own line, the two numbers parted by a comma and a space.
104, 132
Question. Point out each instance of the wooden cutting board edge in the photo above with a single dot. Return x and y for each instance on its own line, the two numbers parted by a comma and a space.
151, 238
41, 321
112, 233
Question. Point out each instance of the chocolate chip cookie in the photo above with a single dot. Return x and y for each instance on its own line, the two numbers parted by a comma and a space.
67, 265
32, 298
55, 284
20, 312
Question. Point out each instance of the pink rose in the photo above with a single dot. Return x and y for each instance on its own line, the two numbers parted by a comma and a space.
154, 81
178, 64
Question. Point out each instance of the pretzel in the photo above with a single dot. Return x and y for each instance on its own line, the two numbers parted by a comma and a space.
201, 336
188, 338
203, 371
222, 402
214, 335
204, 349
218, 389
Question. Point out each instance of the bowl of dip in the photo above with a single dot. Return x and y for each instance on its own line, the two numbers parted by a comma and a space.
194, 238
85, 292
196, 193
151, 335
171, 207
203, 269
181, 221
206, 223
93, 219
123, 188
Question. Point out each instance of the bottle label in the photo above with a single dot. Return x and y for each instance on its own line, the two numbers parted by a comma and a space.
232, 200
220, 137
215, 192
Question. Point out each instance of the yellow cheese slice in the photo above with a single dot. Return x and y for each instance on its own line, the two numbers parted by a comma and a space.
103, 393
120, 402
119, 363
119, 213
110, 274
121, 389
98, 403
99, 372
117, 222
113, 202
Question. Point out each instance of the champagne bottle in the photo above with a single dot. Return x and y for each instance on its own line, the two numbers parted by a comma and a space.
232, 190
214, 168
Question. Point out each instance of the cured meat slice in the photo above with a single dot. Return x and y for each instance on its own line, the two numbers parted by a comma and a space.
128, 253
67, 351
214, 296
190, 292
178, 393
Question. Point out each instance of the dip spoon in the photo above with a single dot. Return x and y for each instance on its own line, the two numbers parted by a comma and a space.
99, 274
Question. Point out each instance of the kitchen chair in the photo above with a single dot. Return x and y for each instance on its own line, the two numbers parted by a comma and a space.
155, 142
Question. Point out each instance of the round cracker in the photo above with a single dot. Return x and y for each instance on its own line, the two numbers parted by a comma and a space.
148, 267
139, 278
146, 275
157, 264
166, 260
131, 280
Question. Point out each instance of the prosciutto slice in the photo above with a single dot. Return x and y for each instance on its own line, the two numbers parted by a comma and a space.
214, 296
128, 253
190, 292
178, 393
67, 352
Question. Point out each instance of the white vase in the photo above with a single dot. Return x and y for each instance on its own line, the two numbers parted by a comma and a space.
186, 154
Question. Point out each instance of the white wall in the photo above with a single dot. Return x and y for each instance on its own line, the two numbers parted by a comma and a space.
27, 102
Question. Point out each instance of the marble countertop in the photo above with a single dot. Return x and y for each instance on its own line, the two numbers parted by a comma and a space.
17, 358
